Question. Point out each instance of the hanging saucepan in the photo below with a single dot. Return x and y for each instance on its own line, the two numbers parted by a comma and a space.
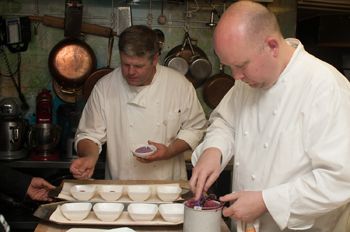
200, 67
66, 94
175, 59
99, 73
216, 87
178, 63
71, 62
189, 60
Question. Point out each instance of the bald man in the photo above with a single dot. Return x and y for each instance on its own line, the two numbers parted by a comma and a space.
286, 123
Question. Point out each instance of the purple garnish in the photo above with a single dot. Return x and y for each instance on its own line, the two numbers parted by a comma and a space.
144, 149
205, 202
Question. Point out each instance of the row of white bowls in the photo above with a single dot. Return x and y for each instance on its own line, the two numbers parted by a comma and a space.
166, 193
111, 211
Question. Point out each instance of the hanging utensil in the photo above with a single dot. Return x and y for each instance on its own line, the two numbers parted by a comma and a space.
150, 16
162, 19
99, 73
216, 87
188, 56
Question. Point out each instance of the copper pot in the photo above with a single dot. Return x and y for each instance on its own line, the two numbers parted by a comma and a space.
216, 87
99, 73
71, 61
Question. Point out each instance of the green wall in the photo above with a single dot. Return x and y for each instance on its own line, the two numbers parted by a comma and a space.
34, 62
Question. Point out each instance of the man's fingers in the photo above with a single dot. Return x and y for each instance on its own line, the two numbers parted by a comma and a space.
196, 185
230, 197
201, 182
210, 181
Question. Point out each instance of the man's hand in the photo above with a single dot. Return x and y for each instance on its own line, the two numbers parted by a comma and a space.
162, 153
165, 152
206, 171
246, 207
38, 189
83, 167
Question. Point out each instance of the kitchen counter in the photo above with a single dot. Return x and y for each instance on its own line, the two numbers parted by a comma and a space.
56, 171
62, 164
52, 227
45, 212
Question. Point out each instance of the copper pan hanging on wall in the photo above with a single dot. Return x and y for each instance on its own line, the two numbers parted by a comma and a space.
99, 73
71, 62
216, 87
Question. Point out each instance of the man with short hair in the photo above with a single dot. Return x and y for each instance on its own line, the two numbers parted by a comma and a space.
287, 124
138, 103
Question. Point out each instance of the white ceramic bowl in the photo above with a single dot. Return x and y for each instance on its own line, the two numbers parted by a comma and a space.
168, 192
139, 192
76, 211
110, 192
83, 192
173, 212
108, 211
142, 211
143, 150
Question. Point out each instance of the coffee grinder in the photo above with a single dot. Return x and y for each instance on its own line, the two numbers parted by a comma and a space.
44, 136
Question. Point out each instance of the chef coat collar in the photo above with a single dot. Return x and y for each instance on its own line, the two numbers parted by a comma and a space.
295, 43
142, 92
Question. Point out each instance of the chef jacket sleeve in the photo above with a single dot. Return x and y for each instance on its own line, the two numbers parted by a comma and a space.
220, 133
92, 123
193, 123
326, 139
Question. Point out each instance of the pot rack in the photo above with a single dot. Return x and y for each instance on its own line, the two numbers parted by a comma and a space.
88, 28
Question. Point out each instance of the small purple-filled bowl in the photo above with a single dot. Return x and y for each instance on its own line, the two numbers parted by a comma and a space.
207, 205
143, 150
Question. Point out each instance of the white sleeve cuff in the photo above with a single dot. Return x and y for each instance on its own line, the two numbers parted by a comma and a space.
219, 144
277, 203
79, 137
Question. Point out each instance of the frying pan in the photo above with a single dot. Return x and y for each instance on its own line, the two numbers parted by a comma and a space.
71, 61
99, 73
216, 87
189, 60
66, 94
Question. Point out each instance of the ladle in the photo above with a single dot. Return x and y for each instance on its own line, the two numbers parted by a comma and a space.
162, 19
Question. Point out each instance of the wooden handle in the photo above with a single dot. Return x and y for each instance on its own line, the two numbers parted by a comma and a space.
88, 28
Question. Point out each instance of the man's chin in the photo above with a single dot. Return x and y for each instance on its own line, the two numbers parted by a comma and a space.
132, 82
253, 85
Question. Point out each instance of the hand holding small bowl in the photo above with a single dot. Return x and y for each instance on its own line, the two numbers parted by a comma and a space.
143, 150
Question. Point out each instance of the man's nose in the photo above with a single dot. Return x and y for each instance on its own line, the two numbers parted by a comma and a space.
131, 70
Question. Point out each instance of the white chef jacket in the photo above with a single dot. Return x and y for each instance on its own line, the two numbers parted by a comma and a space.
124, 116
291, 141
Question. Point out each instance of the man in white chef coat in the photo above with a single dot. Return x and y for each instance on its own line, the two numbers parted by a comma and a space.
139, 102
286, 122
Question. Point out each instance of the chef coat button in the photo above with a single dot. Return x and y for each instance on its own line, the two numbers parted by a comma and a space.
245, 133
253, 177
266, 145
274, 112
237, 163
158, 123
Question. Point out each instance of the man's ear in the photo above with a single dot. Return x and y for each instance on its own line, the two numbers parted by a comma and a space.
155, 59
272, 45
